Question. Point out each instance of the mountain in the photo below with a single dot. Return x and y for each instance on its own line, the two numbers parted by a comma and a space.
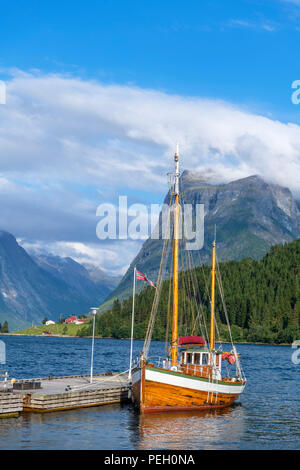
89, 281
101, 277
250, 214
32, 287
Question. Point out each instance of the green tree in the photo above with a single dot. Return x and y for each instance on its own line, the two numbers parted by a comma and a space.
4, 328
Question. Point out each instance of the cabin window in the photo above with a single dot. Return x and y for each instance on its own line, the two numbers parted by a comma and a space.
189, 358
197, 358
204, 359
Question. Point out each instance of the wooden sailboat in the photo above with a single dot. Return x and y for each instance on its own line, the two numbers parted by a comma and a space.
191, 377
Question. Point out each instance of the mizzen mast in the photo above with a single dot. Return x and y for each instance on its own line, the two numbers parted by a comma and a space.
174, 342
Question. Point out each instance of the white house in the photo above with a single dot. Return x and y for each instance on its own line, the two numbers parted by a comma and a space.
50, 322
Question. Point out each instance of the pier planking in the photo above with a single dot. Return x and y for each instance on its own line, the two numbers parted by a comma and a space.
68, 392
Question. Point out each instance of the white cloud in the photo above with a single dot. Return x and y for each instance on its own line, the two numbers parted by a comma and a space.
66, 145
265, 25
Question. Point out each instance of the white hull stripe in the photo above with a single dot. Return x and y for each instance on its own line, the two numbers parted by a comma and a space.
185, 382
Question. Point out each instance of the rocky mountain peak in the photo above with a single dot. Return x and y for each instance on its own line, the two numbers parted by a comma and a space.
251, 215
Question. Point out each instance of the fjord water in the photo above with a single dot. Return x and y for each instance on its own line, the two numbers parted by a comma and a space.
267, 415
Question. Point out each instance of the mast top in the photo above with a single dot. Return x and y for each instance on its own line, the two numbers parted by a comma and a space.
176, 156
177, 174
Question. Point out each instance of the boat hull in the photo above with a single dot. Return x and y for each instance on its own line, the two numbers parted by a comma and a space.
156, 390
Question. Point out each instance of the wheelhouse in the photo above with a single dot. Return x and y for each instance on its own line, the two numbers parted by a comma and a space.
201, 362
192, 357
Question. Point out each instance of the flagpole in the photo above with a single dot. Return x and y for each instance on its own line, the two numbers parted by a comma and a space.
132, 322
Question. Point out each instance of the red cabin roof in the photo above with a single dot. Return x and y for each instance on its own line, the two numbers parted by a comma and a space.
191, 340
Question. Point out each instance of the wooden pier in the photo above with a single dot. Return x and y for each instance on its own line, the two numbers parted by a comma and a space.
10, 405
65, 393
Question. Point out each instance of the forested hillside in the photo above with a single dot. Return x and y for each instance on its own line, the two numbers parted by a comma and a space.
262, 300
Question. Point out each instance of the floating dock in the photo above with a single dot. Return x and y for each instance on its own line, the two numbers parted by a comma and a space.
65, 393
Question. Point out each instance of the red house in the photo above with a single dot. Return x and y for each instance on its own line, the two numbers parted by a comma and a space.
71, 319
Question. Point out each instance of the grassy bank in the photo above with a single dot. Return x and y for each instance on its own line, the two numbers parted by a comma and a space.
69, 329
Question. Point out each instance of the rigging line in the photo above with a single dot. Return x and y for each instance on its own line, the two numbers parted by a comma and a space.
200, 311
157, 290
207, 292
194, 281
204, 276
206, 287
183, 270
192, 271
182, 296
223, 299
188, 291
209, 297
168, 319
217, 327
238, 365
154, 309
193, 264
185, 304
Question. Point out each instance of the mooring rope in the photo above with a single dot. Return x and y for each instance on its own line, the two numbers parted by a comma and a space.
96, 381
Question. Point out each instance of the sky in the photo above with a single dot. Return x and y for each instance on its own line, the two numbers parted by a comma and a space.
98, 93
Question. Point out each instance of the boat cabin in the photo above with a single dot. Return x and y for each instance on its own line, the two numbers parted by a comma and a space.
196, 359
201, 362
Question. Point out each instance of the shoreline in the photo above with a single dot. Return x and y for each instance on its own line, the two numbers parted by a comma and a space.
135, 339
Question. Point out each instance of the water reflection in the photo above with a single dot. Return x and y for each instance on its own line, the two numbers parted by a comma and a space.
221, 428
103, 427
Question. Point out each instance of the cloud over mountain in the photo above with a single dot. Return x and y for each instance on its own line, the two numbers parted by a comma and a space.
68, 144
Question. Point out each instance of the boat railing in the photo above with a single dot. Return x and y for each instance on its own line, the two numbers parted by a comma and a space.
198, 370
158, 361
189, 369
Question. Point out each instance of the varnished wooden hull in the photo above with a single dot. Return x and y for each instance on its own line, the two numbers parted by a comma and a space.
156, 390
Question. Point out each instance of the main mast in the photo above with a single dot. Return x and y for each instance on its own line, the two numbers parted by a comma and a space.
212, 314
174, 342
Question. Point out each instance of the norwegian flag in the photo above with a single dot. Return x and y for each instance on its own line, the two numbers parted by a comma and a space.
144, 278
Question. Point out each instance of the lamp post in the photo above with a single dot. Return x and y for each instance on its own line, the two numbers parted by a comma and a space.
94, 312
